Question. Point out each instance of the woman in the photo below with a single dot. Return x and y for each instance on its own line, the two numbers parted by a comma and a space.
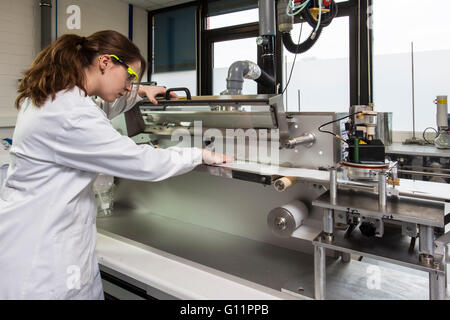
62, 140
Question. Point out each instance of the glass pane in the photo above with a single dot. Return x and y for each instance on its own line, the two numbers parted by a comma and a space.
232, 19
321, 76
227, 52
393, 34
187, 79
174, 40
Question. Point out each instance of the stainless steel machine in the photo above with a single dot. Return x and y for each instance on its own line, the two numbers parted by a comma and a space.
269, 217
381, 213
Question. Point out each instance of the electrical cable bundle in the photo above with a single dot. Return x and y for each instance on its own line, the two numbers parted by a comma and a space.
303, 9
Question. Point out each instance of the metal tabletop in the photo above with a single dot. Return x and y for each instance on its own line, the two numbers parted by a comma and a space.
424, 212
272, 266
415, 150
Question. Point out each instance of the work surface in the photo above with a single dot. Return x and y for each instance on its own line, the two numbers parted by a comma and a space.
189, 261
417, 150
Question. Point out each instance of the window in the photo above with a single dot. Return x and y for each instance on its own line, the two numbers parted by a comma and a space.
320, 79
185, 79
227, 52
174, 48
395, 25
231, 19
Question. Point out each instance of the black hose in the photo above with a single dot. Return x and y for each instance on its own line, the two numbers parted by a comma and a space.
326, 17
302, 47
308, 43
266, 80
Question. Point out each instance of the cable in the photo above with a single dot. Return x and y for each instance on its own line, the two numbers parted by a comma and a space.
293, 7
423, 134
332, 133
295, 57
319, 20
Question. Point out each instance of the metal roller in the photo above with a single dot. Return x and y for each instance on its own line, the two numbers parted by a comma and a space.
284, 183
284, 220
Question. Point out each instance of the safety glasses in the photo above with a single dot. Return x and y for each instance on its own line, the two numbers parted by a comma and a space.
132, 75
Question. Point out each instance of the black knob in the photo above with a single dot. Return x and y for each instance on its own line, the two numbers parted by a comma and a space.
367, 229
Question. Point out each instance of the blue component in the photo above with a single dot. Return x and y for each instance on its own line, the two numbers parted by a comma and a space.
8, 140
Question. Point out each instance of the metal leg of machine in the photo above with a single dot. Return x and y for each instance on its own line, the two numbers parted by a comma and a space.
437, 286
328, 214
328, 224
319, 251
437, 281
319, 273
426, 245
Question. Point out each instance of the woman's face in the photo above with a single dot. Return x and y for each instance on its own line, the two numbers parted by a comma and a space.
116, 80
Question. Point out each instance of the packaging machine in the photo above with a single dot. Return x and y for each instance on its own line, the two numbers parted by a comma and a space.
262, 226
292, 218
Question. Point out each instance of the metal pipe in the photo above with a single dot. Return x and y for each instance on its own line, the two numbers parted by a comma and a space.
333, 185
442, 113
426, 240
382, 195
46, 22
266, 39
266, 18
328, 221
413, 95
307, 140
437, 286
248, 70
319, 273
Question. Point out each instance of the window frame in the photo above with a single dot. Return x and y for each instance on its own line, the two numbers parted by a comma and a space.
360, 40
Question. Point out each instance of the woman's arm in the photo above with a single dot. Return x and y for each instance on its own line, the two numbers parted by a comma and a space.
87, 141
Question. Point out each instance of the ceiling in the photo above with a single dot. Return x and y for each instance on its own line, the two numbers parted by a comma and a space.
155, 4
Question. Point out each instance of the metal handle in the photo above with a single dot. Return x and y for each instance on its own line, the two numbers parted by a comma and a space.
188, 93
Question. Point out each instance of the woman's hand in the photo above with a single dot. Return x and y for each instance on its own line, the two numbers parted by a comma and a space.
209, 157
152, 91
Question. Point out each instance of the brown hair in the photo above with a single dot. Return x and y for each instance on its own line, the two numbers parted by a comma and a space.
60, 65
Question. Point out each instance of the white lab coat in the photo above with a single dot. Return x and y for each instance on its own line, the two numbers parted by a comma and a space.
47, 207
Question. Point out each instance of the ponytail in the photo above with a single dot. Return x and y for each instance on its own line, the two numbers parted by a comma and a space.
60, 66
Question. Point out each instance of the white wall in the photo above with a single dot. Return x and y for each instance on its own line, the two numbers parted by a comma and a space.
95, 16
20, 39
140, 33
105, 15
19, 44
